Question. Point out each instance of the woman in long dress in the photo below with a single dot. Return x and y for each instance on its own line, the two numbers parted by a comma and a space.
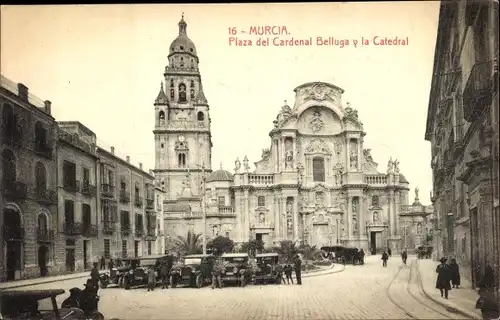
443, 278
455, 274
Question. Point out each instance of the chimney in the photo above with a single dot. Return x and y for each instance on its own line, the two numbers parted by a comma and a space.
128, 158
22, 91
112, 150
48, 106
140, 165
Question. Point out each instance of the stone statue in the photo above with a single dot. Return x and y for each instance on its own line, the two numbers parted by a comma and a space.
354, 206
246, 167
262, 218
367, 154
354, 159
416, 193
319, 198
375, 217
266, 154
288, 158
396, 166
237, 165
338, 176
316, 123
289, 207
289, 224
390, 166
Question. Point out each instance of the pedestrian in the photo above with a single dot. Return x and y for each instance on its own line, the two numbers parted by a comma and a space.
487, 301
164, 273
103, 263
298, 269
404, 256
455, 274
288, 273
362, 256
73, 301
94, 275
385, 257
111, 265
217, 274
389, 251
279, 273
443, 278
151, 279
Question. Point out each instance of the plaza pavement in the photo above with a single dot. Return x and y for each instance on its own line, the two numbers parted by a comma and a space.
359, 292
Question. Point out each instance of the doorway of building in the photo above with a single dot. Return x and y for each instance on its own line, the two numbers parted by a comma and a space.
373, 242
70, 259
13, 237
43, 258
86, 264
474, 247
136, 248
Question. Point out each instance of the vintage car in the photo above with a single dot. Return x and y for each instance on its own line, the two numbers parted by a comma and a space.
114, 276
195, 271
424, 252
267, 269
137, 275
237, 269
332, 251
36, 304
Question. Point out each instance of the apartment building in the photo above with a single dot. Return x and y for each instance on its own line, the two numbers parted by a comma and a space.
77, 198
27, 199
462, 126
160, 194
127, 204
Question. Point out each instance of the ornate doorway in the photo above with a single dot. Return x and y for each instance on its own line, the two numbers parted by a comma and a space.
13, 237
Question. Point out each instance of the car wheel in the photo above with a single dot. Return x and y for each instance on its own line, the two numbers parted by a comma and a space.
199, 281
172, 282
126, 284
120, 282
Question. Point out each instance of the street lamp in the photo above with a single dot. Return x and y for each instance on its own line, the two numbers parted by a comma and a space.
204, 207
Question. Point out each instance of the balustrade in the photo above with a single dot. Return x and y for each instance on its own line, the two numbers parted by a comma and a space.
72, 228
124, 196
376, 179
107, 190
138, 202
260, 179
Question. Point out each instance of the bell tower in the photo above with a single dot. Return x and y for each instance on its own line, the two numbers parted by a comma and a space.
183, 140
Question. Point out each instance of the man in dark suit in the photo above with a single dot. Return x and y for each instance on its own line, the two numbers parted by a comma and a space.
298, 269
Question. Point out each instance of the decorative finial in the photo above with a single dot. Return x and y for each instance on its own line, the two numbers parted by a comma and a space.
161, 85
183, 16
221, 165
285, 102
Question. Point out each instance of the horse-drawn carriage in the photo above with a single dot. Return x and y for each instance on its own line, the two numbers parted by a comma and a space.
424, 252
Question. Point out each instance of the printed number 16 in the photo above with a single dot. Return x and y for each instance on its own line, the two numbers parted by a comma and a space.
232, 30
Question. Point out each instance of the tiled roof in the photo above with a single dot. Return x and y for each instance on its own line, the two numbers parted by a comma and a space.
220, 175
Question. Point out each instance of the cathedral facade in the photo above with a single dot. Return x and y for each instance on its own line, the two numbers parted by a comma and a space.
315, 183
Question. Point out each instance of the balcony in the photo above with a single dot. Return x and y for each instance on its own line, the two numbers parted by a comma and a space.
150, 204
125, 229
378, 179
72, 186
43, 149
138, 202
107, 191
260, 179
44, 235
124, 196
46, 196
139, 231
13, 233
72, 228
478, 91
15, 190
150, 234
88, 189
89, 230
222, 211
108, 227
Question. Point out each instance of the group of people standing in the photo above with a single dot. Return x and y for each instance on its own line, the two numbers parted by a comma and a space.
388, 253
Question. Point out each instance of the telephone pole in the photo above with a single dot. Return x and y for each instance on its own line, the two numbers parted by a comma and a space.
203, 208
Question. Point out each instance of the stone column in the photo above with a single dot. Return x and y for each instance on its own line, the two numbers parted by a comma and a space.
275, 154
296, 218
391, 212
247, 214
348, 223
359, 154
397, 207
348, 155
285, 219
277, 215
361, 216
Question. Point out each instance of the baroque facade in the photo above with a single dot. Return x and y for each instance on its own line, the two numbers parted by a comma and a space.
316, 183
462, 126
415, 223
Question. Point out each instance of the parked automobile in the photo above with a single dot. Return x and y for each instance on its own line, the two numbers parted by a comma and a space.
36, 304
237, 269
195, 271
267, 269
115, 275
138, 273
424, 252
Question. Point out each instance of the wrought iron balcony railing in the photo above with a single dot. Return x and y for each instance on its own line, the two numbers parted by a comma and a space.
89, 189
478, 91
89, 230
12, 135
72, 228
71, 186
13, 233
125, 229
107, 191
139, 231
44, 235
15, 189
108, 227
150, 204
44, 149
124, 196
138, 202
46, 196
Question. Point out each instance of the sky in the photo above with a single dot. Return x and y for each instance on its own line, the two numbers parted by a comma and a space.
102, 65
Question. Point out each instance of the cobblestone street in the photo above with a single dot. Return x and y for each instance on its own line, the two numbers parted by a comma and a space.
359, 292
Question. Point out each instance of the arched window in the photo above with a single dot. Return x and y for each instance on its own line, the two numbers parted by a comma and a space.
181, 160
375, 201
182, 62
201, 116
172, 92
40, 135
9, 168
161, 117
318, 169
172, 83
182, 92
40, 178
261, 201
192, 83
42, 222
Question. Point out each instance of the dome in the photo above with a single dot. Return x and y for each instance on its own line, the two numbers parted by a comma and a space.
220, 175
182, 44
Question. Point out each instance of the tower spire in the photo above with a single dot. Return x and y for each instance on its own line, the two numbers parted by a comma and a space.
182, 25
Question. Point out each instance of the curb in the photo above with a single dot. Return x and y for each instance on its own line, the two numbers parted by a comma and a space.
448, 306
331, 270
14, 286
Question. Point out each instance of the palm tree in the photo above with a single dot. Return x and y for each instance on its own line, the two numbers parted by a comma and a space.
189, 244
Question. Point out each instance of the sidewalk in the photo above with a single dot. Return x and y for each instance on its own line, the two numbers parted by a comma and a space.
36, 281
323, 271
463, 300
